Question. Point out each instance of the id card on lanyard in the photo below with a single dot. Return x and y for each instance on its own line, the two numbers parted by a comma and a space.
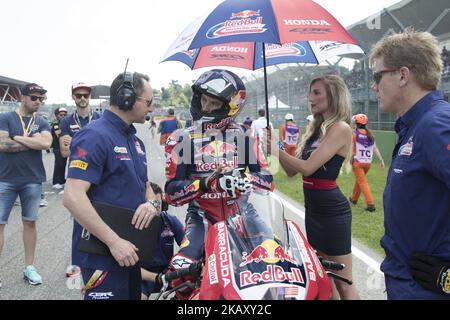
27, 129
77, 120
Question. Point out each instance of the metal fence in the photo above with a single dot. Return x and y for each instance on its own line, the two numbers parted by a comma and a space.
290, 96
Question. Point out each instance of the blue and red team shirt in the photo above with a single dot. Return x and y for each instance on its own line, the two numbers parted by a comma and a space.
72, 123
113, 160
417, 194
166, 127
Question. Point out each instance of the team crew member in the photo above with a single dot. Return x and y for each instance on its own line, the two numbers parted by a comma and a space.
290, 133
167, 126
59, 169
23, 136
323, 149
407, 69
81, 94
171, 230
108, 164
363, 149
71, 124
197, 178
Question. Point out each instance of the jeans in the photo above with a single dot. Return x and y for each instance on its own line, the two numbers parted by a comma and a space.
30, 196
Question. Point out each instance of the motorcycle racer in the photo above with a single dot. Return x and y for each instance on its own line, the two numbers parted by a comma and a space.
206, 164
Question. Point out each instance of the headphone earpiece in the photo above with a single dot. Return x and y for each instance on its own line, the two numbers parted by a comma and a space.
126, 95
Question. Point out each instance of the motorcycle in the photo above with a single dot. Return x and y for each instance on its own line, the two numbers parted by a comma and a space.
256, 254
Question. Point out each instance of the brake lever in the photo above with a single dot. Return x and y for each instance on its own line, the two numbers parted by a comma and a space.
179, 287
163, 288
338, 277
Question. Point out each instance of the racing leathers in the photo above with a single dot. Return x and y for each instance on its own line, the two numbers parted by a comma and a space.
192, 158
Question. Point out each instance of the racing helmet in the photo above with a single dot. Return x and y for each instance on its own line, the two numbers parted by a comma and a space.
223, 85
360, 119
289, 117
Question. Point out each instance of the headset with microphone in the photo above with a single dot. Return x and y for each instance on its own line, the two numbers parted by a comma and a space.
126, 94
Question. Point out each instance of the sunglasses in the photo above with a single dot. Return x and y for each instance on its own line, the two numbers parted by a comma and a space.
82, 95
149, 102
377, 76
34, 98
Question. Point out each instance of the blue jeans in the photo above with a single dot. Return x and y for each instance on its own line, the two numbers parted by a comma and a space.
30, 196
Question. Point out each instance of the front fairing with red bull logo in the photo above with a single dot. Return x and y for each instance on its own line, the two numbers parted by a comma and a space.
258, 255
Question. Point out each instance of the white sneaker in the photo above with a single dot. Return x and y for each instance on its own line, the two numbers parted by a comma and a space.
58, 186
43, 203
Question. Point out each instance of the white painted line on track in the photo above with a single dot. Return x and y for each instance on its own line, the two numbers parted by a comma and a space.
358, 253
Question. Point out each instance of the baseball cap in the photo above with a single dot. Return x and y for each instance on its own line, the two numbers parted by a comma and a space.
62, 110
32, 88
79, 85
289, 116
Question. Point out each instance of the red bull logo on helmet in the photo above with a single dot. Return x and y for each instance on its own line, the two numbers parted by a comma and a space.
269, 252
288, 49
242, 22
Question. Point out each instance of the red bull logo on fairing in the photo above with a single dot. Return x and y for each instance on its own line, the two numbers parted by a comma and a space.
269, 252
273, 273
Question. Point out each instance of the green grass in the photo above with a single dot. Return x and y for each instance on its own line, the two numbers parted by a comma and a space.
367, 227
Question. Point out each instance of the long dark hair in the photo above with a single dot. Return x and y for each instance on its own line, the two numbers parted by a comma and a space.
368, 132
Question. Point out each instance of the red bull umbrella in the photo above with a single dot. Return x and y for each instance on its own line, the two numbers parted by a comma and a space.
293, 24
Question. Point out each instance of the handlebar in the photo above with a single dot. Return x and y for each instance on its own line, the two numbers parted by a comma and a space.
193, 270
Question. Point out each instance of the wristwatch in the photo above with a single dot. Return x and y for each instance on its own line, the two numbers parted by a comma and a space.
154, 203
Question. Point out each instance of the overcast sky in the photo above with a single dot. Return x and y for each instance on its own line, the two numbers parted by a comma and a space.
58, 42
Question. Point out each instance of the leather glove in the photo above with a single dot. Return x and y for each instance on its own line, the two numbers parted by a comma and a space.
432, 273
235, 183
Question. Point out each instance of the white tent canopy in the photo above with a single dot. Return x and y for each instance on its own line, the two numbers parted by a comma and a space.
275, 103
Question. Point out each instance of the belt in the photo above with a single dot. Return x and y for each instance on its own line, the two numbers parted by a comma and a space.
322, 184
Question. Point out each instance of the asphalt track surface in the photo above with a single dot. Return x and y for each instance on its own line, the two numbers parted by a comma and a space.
54, 242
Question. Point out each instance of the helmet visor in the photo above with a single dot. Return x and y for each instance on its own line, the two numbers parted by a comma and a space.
220, 85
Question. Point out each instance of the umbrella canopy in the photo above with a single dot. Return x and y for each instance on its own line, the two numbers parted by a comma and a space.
248, 55
257, 22
269, 21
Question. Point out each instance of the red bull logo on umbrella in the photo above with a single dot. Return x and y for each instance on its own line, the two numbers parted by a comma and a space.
269, 252
242, 22
288, 49
245, 14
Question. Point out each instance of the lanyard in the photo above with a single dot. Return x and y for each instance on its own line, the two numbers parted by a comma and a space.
76, 118
27, 129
